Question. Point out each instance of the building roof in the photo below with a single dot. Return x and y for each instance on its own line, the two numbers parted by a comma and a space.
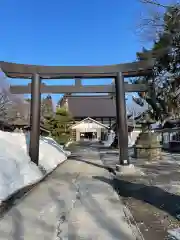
19, 122
91, 106
5, 124
42, 128
89, 123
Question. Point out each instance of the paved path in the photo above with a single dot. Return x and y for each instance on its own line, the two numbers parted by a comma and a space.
71, 204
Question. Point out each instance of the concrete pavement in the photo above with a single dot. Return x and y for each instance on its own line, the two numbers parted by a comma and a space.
73, 203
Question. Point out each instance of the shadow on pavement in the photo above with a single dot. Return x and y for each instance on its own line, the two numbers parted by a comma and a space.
18, 227
88, 203
152, 195
104, 221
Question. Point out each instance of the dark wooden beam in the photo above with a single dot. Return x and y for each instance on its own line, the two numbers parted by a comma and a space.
133, 69
121, 120
78, 82
35, 119
19, 89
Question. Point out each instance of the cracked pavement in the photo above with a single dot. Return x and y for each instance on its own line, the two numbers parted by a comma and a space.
72, 203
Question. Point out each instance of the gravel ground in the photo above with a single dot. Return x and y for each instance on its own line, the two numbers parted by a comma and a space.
153, 199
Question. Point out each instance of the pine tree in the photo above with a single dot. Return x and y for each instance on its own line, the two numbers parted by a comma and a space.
166, 52
47, 107
59, 125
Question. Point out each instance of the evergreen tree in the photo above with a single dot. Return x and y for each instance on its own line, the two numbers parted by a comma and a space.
166, 52
59, 125
47, 107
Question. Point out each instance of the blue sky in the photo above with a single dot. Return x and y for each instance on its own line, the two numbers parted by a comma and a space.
69, 32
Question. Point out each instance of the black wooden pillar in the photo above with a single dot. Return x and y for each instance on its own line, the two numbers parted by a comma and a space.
121, 118
35, 118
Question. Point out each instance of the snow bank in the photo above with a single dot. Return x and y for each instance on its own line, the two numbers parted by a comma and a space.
131, 138
55, 144
17, 170
172, 187
174, 234
110, 139
68, 143
51, 154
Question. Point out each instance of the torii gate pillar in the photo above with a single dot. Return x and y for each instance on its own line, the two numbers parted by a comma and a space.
121, 120
35, 118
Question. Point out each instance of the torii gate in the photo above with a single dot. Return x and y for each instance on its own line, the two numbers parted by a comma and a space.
117, 72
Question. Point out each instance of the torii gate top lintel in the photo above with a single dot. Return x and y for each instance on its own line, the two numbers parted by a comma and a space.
133, 69
118, 72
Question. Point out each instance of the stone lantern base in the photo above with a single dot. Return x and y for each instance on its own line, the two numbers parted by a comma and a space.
147, 147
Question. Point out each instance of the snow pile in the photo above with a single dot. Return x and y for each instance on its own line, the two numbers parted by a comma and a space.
129, 170
55, 144
174, 234
131, 138
68, 143
172, 187
110, 139
17, 171
51, 154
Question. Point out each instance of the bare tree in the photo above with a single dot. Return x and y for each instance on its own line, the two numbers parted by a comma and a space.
4, 102
155, 3
11, 105
152, 22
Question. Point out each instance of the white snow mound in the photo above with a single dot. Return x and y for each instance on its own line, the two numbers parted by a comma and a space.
17, 171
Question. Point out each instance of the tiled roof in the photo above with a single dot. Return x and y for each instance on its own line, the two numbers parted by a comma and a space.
91, 106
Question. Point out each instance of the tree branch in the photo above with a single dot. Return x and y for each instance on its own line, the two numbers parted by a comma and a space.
154, 3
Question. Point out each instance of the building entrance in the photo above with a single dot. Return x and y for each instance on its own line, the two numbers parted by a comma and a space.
88, 136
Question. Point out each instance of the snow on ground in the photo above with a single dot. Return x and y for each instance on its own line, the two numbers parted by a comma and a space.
17, 170
174, 234
110, 139
172, 187
131, 138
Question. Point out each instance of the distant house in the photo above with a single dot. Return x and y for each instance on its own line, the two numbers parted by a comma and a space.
6, 127
101, 108
171, 135
93, 115
20, 125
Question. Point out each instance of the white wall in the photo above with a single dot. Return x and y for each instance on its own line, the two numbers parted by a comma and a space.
77, 135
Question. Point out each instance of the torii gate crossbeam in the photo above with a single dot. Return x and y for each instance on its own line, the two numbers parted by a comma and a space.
117, 72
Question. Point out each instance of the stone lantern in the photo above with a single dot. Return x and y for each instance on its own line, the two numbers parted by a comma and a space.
147, 145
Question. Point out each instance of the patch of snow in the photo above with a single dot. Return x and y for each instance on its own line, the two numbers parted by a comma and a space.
172, 187
17, 170
56, 145
129, 170
131, 138
174, 234
110, 139
68, 143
